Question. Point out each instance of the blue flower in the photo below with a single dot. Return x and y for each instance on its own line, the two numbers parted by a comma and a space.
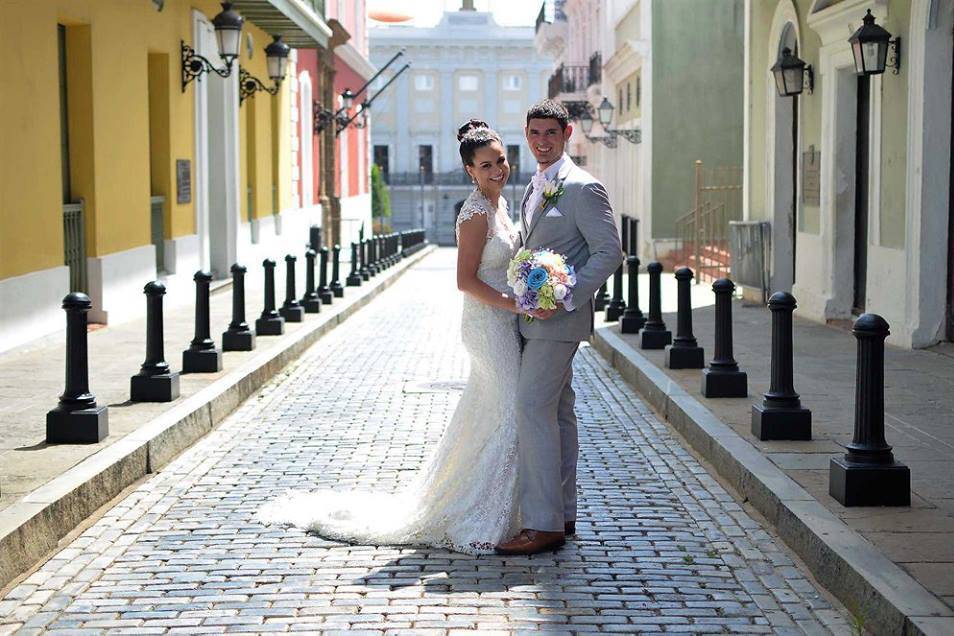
537, 277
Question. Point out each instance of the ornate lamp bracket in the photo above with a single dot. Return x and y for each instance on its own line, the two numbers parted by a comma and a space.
249, 85
194, 66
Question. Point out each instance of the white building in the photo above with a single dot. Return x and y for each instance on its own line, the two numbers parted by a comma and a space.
466, 66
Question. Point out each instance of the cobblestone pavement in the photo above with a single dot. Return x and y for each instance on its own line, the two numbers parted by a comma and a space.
661, 547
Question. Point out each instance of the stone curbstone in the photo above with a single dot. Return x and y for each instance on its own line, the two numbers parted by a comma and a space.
865, 580
31, 527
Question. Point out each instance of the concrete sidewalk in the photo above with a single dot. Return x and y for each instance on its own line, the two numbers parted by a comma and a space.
919, 418
46, 490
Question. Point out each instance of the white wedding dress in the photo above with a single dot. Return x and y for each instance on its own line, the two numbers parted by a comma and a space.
464, 497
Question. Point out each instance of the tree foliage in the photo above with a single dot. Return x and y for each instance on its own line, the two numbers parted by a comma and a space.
380, 200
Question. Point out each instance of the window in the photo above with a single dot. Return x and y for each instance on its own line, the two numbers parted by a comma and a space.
382, 162
468, 82
425, 163
629, 101
638, 90
513, 158
512, 83
620, 100
423, 82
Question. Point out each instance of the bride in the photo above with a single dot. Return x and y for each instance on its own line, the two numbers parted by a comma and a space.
463, 499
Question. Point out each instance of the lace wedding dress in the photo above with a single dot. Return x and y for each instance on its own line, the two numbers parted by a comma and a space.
463, 498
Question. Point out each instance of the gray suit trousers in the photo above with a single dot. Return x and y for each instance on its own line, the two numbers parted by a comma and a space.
546, 434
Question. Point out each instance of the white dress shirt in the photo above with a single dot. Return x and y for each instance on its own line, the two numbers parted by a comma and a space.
534, 201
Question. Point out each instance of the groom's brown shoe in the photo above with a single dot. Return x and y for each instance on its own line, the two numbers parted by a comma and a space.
531, 542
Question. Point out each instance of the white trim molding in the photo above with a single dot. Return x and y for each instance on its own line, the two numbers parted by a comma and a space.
927, 63
357, 62
116, 281
31, 305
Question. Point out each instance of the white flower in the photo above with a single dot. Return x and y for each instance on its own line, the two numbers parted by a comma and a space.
520, 288
550, 188
559, 291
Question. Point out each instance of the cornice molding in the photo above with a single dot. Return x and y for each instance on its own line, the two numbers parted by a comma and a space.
627, 59
837, 22
348, 54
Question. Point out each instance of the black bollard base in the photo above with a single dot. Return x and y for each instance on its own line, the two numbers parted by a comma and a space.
781, 423
654, 339
724, 384
853, 484
311, 305
365, 275
631, 323
238, 341
86, 426
154, 388
613, 312
293, 314
327, 296
270, 326
201, 360
600, 302
353, 280
685, 357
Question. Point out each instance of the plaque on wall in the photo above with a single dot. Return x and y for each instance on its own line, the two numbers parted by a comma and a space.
811, 177
183, 181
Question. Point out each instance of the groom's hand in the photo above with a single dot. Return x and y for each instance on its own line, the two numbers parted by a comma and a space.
543, 314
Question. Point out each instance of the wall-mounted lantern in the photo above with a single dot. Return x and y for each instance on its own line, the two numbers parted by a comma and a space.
792, 75
276, 60
870, 45
228, 31
609, 139
323, 116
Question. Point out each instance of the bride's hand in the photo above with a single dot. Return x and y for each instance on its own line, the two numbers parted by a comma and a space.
543, 314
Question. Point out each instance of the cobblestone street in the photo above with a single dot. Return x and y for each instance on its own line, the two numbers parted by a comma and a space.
661, 546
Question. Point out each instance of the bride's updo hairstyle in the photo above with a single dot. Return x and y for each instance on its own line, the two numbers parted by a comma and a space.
475, 134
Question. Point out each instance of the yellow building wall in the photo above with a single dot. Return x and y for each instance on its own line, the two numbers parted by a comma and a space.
109, 43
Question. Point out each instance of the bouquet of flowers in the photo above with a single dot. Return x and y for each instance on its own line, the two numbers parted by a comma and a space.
540, 279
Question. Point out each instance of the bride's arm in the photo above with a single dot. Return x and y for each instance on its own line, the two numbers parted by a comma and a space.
472, 236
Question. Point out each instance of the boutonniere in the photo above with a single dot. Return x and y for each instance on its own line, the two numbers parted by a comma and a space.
552, 191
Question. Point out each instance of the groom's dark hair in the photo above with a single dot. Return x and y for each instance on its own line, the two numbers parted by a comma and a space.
549, 109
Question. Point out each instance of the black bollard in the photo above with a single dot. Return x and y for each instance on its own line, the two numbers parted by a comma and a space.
291, 311
868, 475
601, 299
723, 378
373, 268
654, 334
354, 278
324, 292
335, 286
202, 356
238, 337
616, 305
314, 237
154, 382
364, 253
781, 416
270, 323
310, 301
633, 319
77, 419
684, 352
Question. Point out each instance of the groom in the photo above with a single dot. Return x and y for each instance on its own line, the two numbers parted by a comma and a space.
573, 217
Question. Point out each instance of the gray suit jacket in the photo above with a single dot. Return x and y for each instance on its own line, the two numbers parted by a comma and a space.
585, 233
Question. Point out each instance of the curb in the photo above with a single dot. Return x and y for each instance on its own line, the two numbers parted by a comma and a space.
858, 574
31, 527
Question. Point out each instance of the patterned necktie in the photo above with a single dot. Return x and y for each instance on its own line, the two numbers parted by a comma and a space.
537, 182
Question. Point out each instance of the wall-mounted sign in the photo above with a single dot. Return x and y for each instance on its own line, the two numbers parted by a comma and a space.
183, 181
811, 177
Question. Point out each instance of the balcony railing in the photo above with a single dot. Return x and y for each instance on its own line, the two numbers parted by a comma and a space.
568, 80
596, 69
550, 11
